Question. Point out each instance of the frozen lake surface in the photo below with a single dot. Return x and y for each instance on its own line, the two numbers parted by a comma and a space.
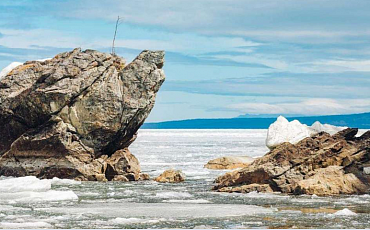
32, 203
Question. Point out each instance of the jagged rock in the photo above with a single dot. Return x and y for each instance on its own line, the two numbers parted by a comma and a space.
336, 160
74, 116
171, 176
229, 162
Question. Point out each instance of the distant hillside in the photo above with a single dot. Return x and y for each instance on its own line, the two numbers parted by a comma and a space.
361, 121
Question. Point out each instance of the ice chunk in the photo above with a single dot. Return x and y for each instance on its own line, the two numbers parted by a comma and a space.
30, 225
124, 221
9, 68
284, 131
21, 184
31, 189
345, 212
173, 195
198, 201
57, 181
331, 129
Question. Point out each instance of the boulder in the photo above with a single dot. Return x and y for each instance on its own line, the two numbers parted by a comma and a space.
75, 115
323, 164
229, 162
331, 180
284, 131
171, 176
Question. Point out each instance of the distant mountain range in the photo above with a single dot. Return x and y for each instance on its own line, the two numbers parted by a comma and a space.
361, 121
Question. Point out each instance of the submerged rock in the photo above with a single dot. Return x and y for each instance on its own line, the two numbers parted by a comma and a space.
74, 116
284, 131
229, 162
323, 164
171, 176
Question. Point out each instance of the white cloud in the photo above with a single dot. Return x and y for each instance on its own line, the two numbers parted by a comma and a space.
267, 20
342, 65
315, 106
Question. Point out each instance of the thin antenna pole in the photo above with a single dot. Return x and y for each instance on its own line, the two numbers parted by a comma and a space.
115, 33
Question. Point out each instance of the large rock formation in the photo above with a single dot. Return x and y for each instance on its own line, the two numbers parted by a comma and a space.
321, 165
75, 115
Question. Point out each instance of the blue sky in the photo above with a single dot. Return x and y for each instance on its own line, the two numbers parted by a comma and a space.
224, 58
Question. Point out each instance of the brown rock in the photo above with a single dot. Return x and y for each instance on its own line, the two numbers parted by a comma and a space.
171, 176
144, 176
229, 162
331, 180
299, 168
66, 117
248, 188
122, 162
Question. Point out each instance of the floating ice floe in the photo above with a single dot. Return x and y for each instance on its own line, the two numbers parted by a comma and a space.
198, 201
124, 221
173, 195
345, 212
284, 131
9, 68
29, 225
31, 189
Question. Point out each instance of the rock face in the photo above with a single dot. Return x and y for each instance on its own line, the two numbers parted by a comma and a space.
74, 116
229, 162
321, 164
284, 131
171, 176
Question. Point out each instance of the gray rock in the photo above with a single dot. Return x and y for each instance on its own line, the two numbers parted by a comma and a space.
66, 116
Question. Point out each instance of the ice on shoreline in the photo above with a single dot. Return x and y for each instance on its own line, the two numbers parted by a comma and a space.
31, 189
284, 131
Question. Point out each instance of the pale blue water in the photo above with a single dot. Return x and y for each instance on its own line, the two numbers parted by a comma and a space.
186, 205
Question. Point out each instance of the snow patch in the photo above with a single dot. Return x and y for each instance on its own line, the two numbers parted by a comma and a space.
284, 131
345, 212
9, 68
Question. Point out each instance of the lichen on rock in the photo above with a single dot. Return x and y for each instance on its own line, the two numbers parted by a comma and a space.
74, 116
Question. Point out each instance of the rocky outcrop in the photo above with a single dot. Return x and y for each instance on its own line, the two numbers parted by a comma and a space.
321, 164
229, 162
74, 116
171, 176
